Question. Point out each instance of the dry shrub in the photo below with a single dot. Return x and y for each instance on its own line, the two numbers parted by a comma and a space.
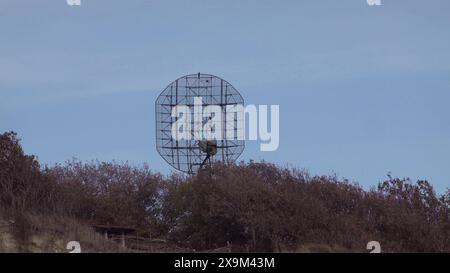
247, 206
261, 207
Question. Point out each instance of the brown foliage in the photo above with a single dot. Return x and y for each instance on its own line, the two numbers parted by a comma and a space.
108, 193
22, 185
265, 208
252, 207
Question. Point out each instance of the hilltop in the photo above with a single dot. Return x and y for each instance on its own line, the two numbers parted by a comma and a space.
244, 207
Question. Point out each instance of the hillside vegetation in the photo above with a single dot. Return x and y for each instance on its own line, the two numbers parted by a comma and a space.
246, 206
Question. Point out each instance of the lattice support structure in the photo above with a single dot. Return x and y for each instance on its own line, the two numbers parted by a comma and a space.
186, 155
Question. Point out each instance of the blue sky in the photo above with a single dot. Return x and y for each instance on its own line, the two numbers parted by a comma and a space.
363, 91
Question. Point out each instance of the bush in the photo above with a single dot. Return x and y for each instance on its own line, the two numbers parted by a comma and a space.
250, 206
22, 185
260, 207
109, 193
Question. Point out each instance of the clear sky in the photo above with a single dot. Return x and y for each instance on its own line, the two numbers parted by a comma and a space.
363, 91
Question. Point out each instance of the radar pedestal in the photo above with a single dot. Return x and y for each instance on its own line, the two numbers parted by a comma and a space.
208, 147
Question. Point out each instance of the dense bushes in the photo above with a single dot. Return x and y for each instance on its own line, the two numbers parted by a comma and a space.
253, 206
22, 184
108, 193
264, 208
